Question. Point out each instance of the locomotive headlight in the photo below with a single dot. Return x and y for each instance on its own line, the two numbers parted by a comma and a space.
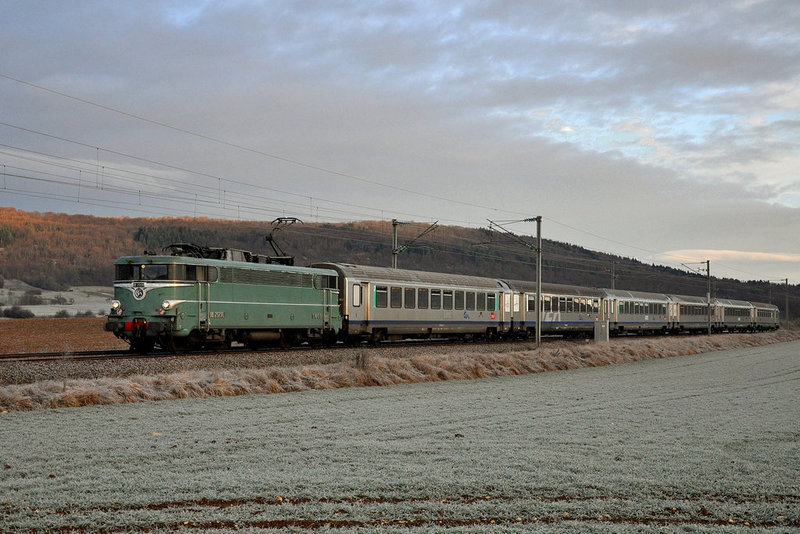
170, 304
115, 304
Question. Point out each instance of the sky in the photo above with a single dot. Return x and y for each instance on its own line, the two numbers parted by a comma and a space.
664, 131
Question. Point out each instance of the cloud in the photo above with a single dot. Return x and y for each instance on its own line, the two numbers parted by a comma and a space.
737, 255
630, 126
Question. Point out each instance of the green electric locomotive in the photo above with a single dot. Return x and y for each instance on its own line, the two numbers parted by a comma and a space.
189, 299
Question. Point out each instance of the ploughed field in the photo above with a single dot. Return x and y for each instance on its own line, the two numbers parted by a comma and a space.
699, 443
56, 335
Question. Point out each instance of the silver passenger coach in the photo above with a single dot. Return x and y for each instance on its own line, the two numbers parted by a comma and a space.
379, 303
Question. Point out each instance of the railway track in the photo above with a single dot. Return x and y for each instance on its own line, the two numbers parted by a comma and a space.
128, 354
75, 355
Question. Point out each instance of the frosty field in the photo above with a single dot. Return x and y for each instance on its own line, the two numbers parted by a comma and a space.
703, 443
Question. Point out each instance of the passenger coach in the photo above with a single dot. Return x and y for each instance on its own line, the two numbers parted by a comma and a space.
636, 311
565, 309
765, 316
379, 303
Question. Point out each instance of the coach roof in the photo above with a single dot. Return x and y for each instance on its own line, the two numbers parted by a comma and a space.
366, 273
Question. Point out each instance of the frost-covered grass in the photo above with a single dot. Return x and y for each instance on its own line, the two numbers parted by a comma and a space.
368, 368
705, 443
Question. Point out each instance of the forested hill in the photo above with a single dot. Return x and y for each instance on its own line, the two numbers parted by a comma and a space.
54, 251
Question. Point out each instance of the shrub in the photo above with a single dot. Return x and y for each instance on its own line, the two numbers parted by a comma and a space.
15, 312
31, 297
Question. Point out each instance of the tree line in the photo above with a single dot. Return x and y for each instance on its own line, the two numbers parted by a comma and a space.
55, 251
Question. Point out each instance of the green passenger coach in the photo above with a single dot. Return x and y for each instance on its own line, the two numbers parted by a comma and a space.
179, 302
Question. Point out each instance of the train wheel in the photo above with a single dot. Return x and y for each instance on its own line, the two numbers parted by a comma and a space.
175, 345
288, 340
377, 337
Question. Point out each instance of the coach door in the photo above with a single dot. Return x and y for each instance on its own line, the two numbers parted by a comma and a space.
357, 295
672, 308
611, 310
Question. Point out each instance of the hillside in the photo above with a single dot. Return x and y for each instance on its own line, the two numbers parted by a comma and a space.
56, 251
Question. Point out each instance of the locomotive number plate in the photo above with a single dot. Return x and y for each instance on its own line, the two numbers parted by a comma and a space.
216, 315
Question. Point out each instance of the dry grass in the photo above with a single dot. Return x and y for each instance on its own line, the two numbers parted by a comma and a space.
367, 368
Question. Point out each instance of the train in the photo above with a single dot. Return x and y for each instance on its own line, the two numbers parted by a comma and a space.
188, 297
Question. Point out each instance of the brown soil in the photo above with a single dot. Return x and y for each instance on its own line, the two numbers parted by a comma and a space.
56, 335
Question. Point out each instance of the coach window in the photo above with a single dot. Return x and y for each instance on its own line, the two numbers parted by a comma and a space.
459, 300
381, 296
422, 299
480, 305
357, 295
447, 300
491, 302
436, 299
410, 298
470, 301
396, 297
568, 304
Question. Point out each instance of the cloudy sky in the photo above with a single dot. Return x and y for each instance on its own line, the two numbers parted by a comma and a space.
666, 131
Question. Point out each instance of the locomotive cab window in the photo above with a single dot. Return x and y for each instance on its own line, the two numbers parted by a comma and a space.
325, 282
146, 272
124, 272
154, 272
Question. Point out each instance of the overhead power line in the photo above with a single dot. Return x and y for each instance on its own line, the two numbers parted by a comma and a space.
246, 148
379, 213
